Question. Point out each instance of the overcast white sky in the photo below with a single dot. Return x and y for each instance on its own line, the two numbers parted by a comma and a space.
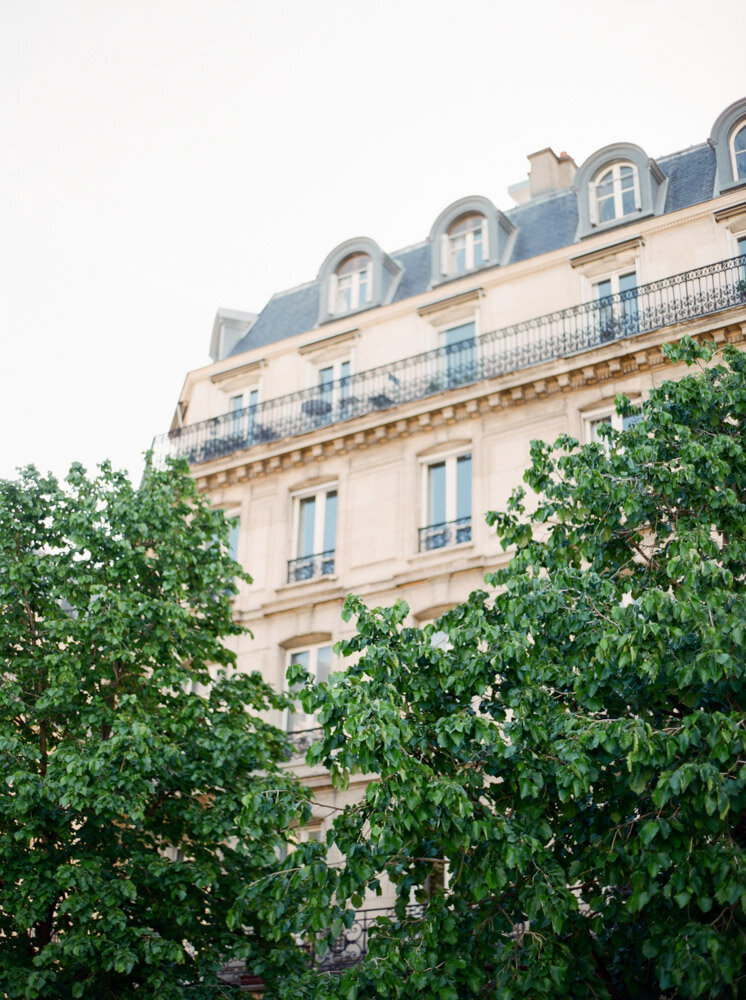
162, 158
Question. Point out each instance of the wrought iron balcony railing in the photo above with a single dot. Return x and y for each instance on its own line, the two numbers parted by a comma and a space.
688, 295
310, 567
349, 949
437, 536
351, 946
301, 739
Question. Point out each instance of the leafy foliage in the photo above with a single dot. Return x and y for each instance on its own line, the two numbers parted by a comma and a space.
563, 779
140, 800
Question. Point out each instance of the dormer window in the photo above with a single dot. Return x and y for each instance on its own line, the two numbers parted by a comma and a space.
618, 185
356, 275
466, 243
738, 152
351, 285
616, 193
728, 139
468, 235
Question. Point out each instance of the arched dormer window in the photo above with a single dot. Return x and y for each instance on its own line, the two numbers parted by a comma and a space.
351, 284
466, 244
356, 275
616, 193
468, 235
616, 185
728, 139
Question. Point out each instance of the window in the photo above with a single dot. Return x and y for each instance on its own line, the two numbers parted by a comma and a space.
351, 285
608, 417
738, 152
616, 185
465, 244
318, 661
616, 193
315, 531
333, 396
446, 502
469, 234
234, 531
617, 310
460, 353
243, 408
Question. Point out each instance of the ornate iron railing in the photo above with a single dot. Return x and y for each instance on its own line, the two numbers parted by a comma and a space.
437, 536
691, 294
301, 739
347, 950
351, 946
310, 567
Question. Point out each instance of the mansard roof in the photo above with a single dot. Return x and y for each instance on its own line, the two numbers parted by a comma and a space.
548, 222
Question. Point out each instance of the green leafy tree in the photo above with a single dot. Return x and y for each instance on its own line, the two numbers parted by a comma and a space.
562, 762
141, 795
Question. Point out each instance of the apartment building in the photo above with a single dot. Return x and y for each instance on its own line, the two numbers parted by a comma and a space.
360, 425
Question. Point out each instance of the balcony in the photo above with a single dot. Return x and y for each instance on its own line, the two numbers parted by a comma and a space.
438, 536
689, 295
310, 567
349, 949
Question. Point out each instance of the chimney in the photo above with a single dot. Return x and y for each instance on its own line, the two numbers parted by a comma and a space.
550, 172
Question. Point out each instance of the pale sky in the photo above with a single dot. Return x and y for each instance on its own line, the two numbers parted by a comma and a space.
163, 158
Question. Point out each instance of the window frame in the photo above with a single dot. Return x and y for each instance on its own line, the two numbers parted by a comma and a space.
352, 279
312, 667
321, 563
738, 174
455, 530
614, 168
606, 414
449, 250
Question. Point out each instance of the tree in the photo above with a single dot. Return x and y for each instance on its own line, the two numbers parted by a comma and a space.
142, 795
561, 763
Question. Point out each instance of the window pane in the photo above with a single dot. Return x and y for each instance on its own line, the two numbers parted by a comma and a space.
478, 249
436, 493
463, 487
596, 425
739, 148
233, 533
603, 289
330, 522
459, 333
306, 517
606, 208
297, 720
355, 262
323, 662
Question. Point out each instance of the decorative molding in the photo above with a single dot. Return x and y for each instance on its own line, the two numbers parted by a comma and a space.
634, 243
473, 295
324, 342
237, 373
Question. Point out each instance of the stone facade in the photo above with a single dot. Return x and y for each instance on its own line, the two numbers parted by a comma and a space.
362, 424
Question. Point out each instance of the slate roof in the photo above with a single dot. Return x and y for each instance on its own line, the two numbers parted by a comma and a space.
543, 224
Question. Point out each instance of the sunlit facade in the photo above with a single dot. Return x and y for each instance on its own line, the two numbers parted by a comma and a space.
363, 423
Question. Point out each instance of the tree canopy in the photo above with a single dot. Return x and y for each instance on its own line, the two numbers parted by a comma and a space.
561, 761
141, 794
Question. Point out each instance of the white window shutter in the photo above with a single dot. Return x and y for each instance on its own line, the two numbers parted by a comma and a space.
331, 306
369, 282
445, 253
638, 200
592, 204
485, 239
